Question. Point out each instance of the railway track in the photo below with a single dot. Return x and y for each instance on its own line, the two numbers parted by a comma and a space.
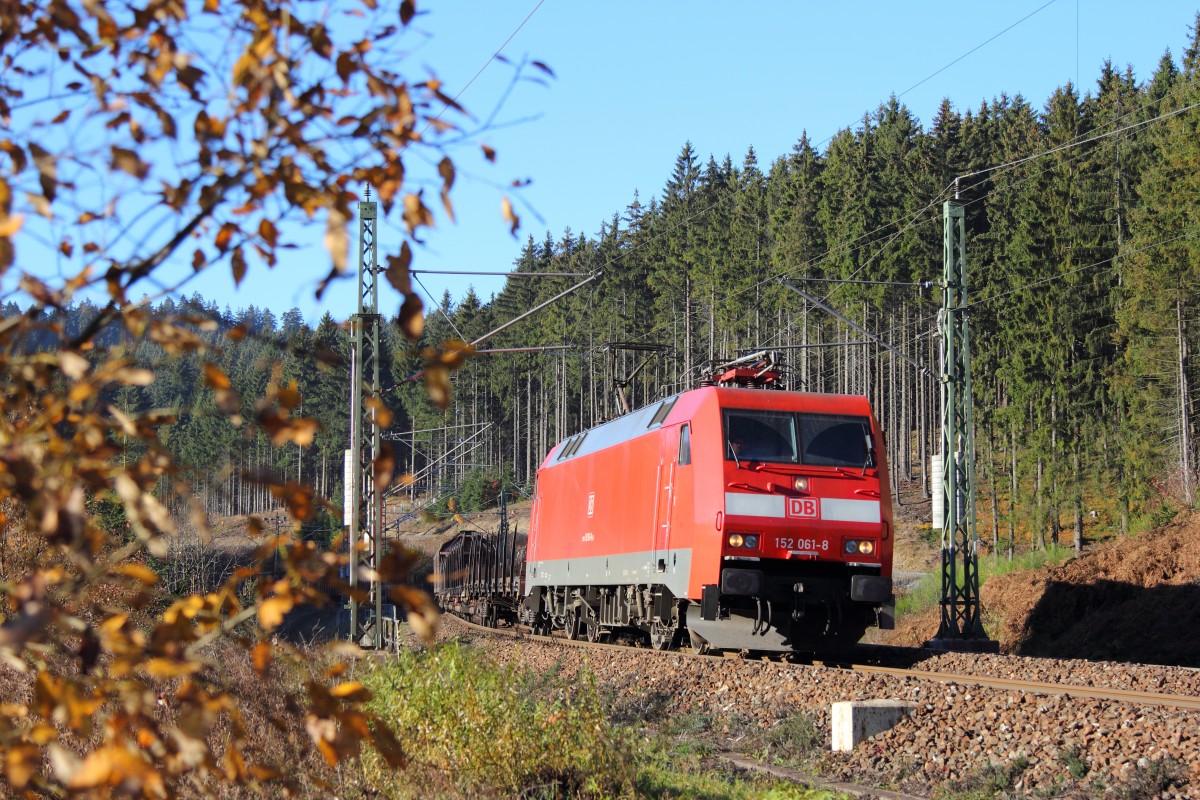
1176, 701
1050, 725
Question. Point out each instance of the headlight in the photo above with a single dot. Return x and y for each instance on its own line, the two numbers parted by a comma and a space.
866, 547
801, 484
863, 547
748, 541
851, 546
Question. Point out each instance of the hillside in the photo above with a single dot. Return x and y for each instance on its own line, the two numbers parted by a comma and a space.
1131, 599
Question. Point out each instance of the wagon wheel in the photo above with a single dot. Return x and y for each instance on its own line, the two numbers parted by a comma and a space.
541, 624
574, 625
662, 636
591, 629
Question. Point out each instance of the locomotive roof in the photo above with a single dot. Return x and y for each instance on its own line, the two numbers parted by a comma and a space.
681, 407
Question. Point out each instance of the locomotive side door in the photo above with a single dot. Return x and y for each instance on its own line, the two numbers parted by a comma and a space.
675, 460
662, 502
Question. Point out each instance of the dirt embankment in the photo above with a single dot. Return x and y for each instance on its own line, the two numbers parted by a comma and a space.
1133, 599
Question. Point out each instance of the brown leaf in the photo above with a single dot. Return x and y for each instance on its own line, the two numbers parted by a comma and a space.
397, 270
382, 469
128, 161
351, 692
170, 668
9, 226
452, 354
47, 167
73, 365
345, 66
16, 154
299, 430
337, 241
139, 572
225, 236
387, 744
380, 413
130, 376
168, 124
489, 153
233, 764
510, 216
408, 10
415, 214
297, 497
215, 377
261, 657
198, 260
412, 317
437, 386
40, 204
21, 763
423, 615
7, 254
268, 232
318, 36
446, 171
237, 263
272, 610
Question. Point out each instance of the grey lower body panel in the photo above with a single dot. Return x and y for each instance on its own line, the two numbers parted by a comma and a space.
736, 633
670, 568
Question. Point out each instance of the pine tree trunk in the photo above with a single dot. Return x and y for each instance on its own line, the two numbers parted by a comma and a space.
1185, 441
992, 488
1012, 492
1077, 501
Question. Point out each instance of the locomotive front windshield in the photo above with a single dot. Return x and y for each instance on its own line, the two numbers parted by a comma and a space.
823, 440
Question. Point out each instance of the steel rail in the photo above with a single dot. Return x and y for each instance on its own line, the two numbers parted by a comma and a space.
1129, 696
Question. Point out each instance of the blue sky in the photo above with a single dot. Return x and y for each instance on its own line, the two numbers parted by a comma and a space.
635, 80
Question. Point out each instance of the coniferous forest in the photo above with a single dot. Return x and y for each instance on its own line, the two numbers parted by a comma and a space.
1083, 217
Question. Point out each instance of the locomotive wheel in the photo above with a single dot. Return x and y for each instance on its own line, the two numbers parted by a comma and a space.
662, 636
575, 626
591, 629
541, 624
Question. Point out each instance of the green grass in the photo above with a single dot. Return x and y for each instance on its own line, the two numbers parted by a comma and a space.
793, 741
472, 728
928, 591
991, 780
670, 768
483, 731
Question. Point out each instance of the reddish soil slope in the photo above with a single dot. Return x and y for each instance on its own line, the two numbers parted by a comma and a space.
1133, 599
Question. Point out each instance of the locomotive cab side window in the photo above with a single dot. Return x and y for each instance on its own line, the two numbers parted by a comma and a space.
663, 410
685, 446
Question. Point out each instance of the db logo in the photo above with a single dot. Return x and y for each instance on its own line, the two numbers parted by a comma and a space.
803, 507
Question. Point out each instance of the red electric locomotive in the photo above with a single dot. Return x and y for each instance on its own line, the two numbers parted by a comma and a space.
749, 519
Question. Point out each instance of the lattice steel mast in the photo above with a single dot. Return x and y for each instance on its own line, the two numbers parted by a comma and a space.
364, 502
961, 627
